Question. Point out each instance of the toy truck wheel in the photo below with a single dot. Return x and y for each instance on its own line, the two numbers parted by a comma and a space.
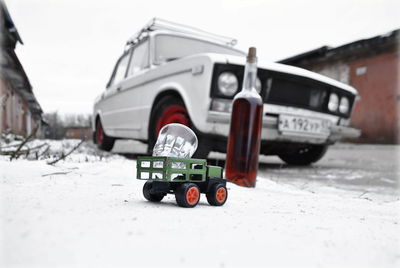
187, 195
153, 197
217, 195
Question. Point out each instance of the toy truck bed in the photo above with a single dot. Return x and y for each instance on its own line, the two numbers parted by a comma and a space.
184, 177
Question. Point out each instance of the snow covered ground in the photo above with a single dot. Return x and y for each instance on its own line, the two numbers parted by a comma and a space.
89, 211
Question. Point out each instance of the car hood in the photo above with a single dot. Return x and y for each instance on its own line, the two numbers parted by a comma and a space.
282, 68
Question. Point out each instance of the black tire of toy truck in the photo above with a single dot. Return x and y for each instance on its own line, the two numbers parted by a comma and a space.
149, 196
103, 141
217, 195
164, 105
187, 195
305, 156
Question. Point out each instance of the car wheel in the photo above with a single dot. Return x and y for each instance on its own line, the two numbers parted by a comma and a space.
169, 110
305, 156
187, 195
153, 197
217, 195
103, 141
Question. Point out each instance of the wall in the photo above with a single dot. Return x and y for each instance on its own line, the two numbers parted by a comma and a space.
14, 114
377, 81
78, 133
376, 78
3, 101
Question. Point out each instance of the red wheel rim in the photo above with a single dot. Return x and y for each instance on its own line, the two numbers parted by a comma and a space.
221, 194
100, 134
192, 195
173, 114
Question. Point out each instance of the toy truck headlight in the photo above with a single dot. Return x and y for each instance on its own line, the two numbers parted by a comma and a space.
228, 83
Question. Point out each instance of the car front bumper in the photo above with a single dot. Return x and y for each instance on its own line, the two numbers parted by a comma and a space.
218, 123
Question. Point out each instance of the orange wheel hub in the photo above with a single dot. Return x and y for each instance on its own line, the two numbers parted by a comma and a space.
221, 194
192, 195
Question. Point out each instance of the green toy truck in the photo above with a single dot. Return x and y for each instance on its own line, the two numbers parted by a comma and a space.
184, 177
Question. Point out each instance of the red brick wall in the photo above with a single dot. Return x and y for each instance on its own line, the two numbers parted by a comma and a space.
377, 80
14, 110
377, 114
78, 133
18, 106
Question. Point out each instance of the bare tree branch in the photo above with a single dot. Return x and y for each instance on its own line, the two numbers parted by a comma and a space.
43, 153
63, 156
16, 154
56, 173
9, 146
11, 153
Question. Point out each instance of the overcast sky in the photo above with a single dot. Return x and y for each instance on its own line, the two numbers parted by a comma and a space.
70, 46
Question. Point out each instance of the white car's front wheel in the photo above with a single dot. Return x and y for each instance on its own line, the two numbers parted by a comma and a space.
305, 156
171, 109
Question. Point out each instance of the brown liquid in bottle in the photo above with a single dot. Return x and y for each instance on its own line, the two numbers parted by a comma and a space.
245, 131
244, 141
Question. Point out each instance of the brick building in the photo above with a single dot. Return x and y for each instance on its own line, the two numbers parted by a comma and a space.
20, 113
78, 133
373, 67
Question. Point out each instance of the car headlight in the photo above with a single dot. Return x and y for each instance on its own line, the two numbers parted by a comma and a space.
228, 83
258, 85
344, 105
333, 102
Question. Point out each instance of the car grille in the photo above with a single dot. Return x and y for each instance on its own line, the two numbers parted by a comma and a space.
287, 92
287, 89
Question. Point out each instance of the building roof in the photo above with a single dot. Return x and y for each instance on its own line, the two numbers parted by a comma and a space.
11, 68
372, 45
8, 23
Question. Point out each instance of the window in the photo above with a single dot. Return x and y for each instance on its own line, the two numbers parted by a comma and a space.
178, 165
140, 58
157, 176
145, 164
145, 175
120, 70
196, 177
169, 47
197, 166
158, 164
178, 177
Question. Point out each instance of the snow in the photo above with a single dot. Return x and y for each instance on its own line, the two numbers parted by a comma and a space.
89, 211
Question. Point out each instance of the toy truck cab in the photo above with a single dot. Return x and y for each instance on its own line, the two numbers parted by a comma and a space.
184, 177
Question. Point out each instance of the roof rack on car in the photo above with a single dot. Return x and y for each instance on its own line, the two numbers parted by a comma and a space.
160, 24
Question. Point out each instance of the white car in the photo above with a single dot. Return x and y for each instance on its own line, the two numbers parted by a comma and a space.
174, 73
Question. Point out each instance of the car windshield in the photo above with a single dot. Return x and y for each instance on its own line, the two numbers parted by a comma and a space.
170, 47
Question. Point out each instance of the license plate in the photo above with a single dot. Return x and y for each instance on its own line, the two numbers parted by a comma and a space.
305, 125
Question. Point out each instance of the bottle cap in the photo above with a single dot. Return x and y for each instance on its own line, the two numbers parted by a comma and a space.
251, 56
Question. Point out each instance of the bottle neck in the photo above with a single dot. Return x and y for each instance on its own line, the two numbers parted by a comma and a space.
250, 75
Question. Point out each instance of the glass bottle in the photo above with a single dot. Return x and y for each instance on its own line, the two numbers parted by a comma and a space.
245, 129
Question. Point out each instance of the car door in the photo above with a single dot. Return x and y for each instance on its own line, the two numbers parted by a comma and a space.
112, 113
133, 93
